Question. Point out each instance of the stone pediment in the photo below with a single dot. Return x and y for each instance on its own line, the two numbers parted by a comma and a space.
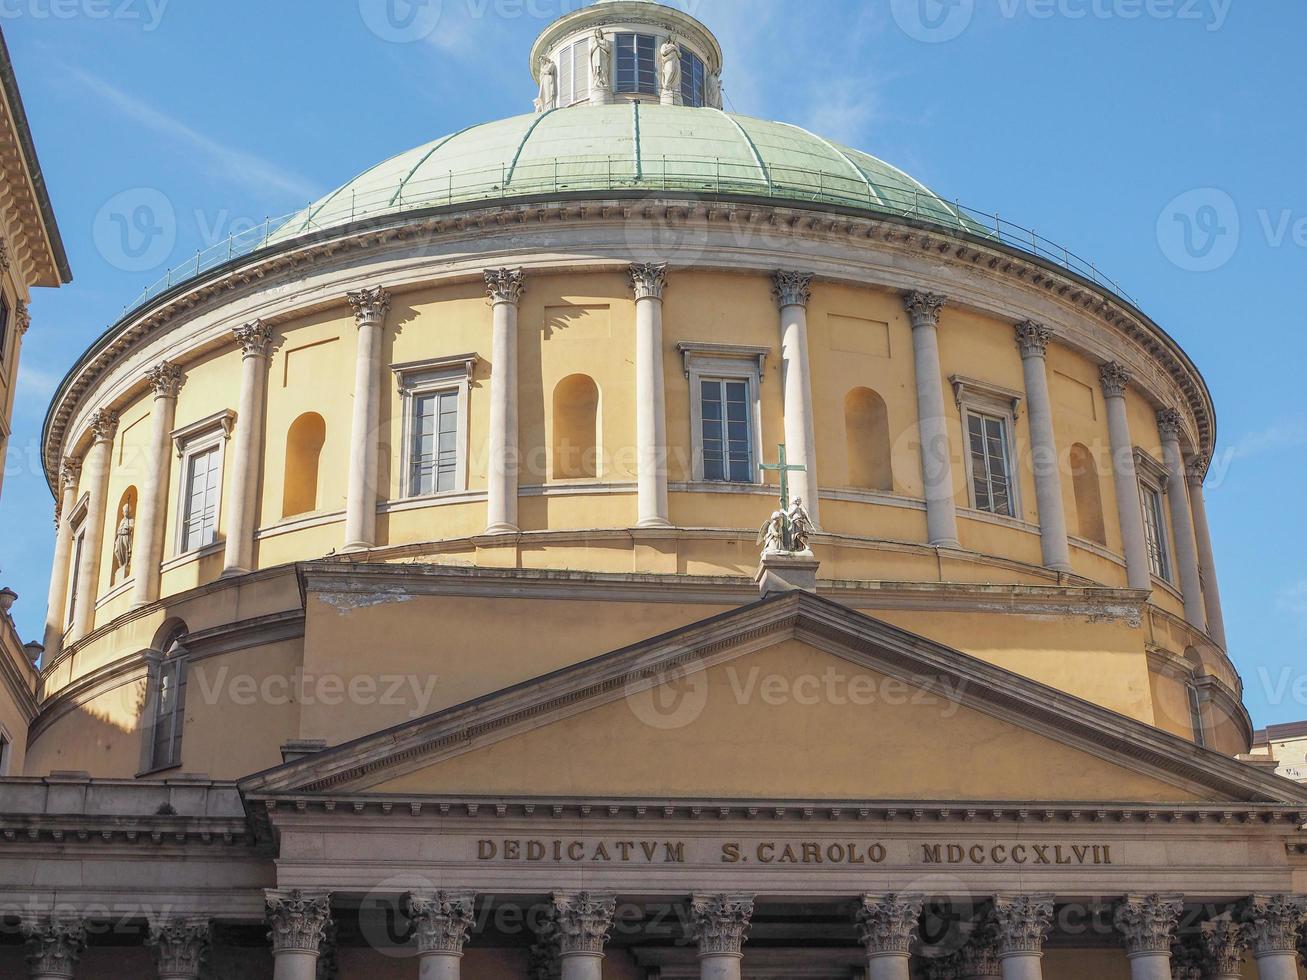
791, 698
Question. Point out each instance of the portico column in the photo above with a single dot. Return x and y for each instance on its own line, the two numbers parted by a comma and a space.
1148, 924
1223, 944
255, 340
1130, 512
104, 425
180, 946
1195, 471
1032, 341
932, 424
441, 921
298, 923
1169, 424
504, 287
54, 945
56, 617
792, 291
1271, 925
370, 308
720, 924
165, 380
1021, 924
649, 281
887, 926
582, 921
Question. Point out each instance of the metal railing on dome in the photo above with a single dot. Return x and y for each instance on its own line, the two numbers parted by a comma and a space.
710, 178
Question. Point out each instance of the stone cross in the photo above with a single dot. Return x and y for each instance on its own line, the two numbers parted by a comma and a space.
784, 469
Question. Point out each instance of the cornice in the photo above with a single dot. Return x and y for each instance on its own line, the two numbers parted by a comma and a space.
1151, 346
634, 14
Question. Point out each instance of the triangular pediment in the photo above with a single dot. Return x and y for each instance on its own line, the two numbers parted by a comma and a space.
794, 698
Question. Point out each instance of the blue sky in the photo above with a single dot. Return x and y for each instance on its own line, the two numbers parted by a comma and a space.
1162, 138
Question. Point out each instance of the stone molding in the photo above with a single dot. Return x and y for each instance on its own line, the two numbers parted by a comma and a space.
180, 946
720, 923
1224, 944
103, 425
298, 920
442, 920
1033, 338
1021, 923
254, 338
164, 379
648, 280
887, 924
505, 285
791, 288
1148, 922
581, 921
54, 944
370, 305
924, 308
1273, 923
1170, 423
1115, 378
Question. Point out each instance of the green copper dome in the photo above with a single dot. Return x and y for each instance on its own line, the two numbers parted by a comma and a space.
625, 148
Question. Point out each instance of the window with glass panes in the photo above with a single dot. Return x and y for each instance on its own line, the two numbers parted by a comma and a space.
991, 469
1196, 714
434, 452
637, 64
74, 571
1159, 561
727, 433
203, 482
574, 73
4, 328
169, 710
693, 79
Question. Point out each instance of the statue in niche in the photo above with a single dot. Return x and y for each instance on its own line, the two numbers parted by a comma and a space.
800, 526
548, 86
669, 60
601, 59
122, 540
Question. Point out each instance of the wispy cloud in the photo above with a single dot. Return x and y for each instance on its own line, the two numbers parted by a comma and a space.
36, 383
1292, 600
224, 161
1285, 434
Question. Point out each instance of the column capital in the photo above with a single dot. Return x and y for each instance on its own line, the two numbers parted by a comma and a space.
542, 962
979, 957
1271, 923
70, 469
1224, 944
887, 924
299, 919
165, 379
505, 285
1148, 922
946, 968
1021, 923
254, 338
370, 305
720, 923
1195, 468
924, 308
54, 944
180, 946
103, 425
441, 919
23, 316
1115, 379
582, 921
1170, 423
1033, 338
648, 280
791, 288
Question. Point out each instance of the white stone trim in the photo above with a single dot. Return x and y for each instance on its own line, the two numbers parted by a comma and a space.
302, 523
185, 435
1003, 403
1094, 548
882, 498
211, 433
986, 396
1001, 520
428, 377
730, 362
186, 557
123, 587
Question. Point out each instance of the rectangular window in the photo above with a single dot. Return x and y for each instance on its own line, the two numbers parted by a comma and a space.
637, 64
574, 73
727, 434
1159, 560
991, 466
434, 453
692, 79
1196, 714
4, 755
169, 713
74, 572
4, 328
203, 476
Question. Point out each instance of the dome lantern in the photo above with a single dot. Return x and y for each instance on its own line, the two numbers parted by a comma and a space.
627, 51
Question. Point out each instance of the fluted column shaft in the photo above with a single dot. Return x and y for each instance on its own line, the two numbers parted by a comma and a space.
504, 287
370, 308
441, 922
1020, 925
720, 925
165, 380
1148, 924
582, 921
649, 281
298, 927
1272, 927
1206, 556
887, 926
1130, 511
56, 613
932, 424
793, 290
1169, 424
104, 425
255, 340
1032, 340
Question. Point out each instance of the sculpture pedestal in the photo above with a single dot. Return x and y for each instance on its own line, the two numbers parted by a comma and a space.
783, 571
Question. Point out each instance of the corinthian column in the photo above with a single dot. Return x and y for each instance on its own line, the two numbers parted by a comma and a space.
1194, 471
887, 926
978, 960
1271, 926
649, 281
720, 925
581, 922
255, 340
298, 922
54, 945
442, 921
104, 425
792, 291
180, 946
1032, 341
370, 308
1148, 924
1223, 945
1169, 424
504, 287
932, 424
1021, 924
1130, 512
55, 612
165, 380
